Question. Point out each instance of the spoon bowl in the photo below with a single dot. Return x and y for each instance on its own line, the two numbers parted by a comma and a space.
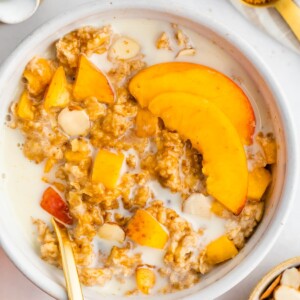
288, 9
260, 3
17, 11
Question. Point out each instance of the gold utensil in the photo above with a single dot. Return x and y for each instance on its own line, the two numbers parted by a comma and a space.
68, 262
287, 8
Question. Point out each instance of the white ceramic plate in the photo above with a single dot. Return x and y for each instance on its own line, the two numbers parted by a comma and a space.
19, 246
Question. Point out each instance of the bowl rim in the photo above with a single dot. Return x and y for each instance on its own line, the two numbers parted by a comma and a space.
183, 10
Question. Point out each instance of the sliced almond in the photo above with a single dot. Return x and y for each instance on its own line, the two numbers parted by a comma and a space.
291, 278
286, 293
268, 292
74, 122
163, 42
112, 232
198, 204
124, 48
186, 52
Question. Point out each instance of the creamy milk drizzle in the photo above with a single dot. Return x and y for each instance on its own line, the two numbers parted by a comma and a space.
22, 178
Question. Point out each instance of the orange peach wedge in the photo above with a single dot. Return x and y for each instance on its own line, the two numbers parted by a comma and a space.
145, 230
201, 81
91, 82
213, 135
57, 94
220, 250
24, 108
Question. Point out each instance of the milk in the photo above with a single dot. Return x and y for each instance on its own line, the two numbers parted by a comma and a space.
22, 178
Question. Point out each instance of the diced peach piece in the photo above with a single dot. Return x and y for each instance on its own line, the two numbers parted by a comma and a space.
201, 81
24, 108
269, 146
213, 135
38, 74
146, 123
57, 94
145, 279
107, 167
217, 208
259, 179
49, 164
220, 250
145, 230
91, 82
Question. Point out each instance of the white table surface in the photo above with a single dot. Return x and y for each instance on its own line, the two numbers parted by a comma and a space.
285, 66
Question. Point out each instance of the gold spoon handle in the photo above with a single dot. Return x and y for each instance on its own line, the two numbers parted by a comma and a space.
291, 13
68, 262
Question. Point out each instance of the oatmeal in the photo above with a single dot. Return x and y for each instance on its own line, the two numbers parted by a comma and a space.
149, 189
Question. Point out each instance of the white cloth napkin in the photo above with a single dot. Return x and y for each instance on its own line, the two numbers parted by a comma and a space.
269, 20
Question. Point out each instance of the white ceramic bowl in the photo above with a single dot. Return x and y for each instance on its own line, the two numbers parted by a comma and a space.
19, 248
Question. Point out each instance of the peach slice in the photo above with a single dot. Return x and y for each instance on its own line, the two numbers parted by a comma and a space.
145, 230
107, 168
220, 250
57, 94
213, 135
198, 80
91, 82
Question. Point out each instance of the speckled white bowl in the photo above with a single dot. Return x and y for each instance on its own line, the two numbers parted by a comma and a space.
227, 275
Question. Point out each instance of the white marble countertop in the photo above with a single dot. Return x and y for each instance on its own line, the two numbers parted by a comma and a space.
285, 66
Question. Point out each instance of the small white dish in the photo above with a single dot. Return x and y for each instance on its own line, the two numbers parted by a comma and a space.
267, 280
17, 11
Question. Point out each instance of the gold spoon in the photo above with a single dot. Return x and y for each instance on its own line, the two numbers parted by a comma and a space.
68, 262
287, 8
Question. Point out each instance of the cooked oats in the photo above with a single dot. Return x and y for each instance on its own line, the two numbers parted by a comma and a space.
156, 162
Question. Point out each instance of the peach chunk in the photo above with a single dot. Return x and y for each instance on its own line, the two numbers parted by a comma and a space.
91, 82
107, 167
213, 135
24, 107
38, 74
146, 123
259, 179
220, 250
145, 279
145, 230
201, 81
57, 94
